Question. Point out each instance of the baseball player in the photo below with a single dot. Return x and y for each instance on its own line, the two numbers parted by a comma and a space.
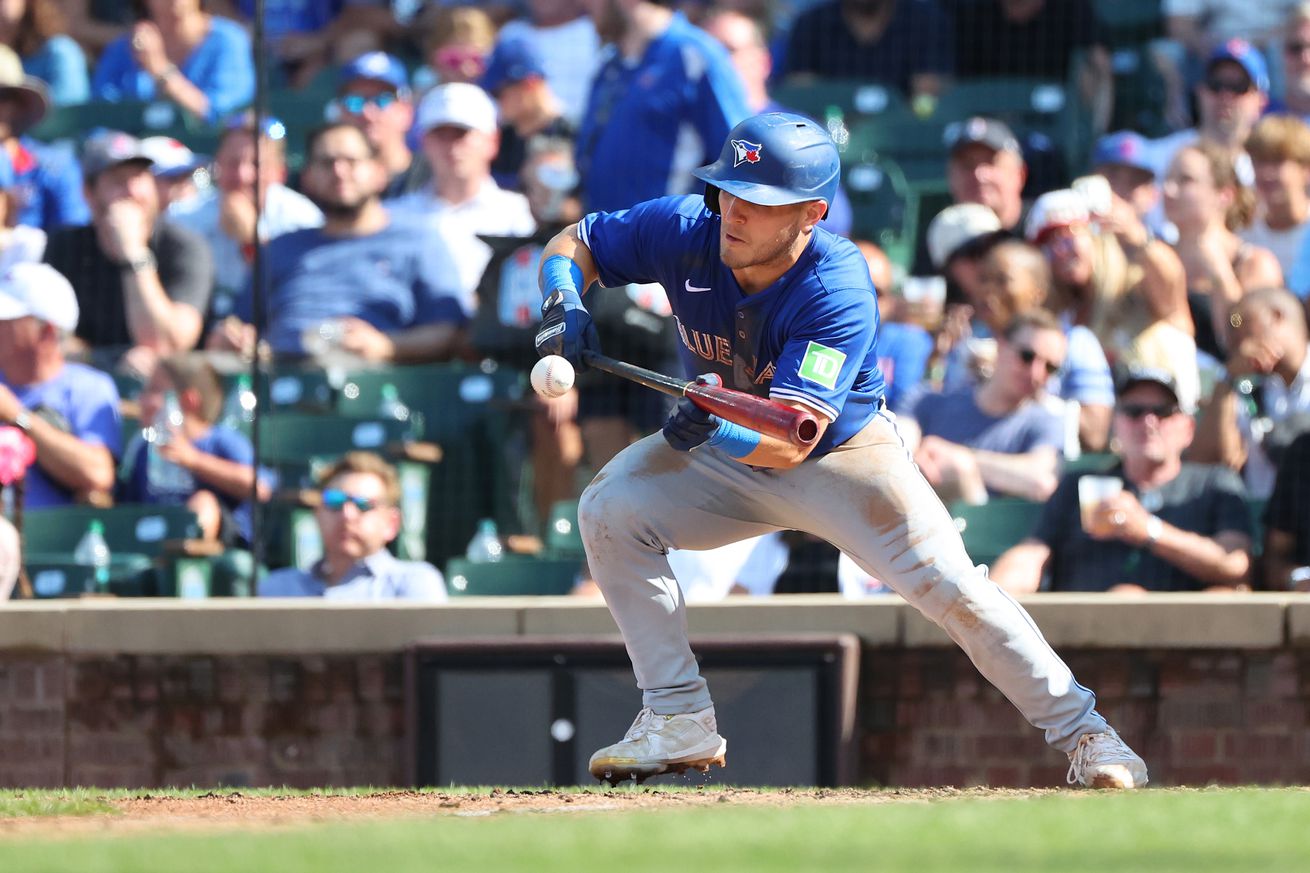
772, 305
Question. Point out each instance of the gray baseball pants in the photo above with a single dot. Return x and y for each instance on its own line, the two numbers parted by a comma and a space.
868, 499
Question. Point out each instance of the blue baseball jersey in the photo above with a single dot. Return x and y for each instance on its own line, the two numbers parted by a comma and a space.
809, 337
649, 123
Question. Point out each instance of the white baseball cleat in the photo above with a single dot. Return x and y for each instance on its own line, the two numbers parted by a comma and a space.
1105, 761
658, 744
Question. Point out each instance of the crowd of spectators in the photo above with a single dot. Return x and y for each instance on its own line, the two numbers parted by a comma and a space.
1147, 305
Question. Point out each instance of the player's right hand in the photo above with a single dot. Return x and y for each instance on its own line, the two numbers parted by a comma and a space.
690, 426
566, 328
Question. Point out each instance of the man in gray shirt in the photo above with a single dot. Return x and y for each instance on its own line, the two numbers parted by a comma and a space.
357, 517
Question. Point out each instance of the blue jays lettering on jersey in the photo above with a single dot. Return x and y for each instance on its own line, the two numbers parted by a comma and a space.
809, 337
651, 121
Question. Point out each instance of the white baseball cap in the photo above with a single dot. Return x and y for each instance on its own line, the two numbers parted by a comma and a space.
956, 226
1063, 207
38, 290
459, 104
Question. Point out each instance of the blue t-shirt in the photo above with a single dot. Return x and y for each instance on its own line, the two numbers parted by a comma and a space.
955, 416
397, 278
221, 66
809, 337
48, 188
903, 351
61, 64
88, 400
648, 124
222, 442
283, 17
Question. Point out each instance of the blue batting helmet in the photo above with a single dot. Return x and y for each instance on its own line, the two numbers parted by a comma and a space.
772, 160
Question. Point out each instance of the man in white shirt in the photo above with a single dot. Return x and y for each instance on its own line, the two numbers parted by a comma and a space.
460, 140
1279, 147
226, 218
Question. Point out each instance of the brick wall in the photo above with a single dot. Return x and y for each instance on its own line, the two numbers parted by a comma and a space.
926, 718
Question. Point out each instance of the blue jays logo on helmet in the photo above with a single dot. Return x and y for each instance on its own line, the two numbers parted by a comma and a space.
745, 152
803, 162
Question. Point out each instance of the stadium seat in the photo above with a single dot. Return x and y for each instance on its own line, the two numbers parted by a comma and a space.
563, 539
1122, 22
513, 574
56, 574
916, 145
886, 210
294, 436
129, 528
854, 98
1090, 462
991, 529
1139, 92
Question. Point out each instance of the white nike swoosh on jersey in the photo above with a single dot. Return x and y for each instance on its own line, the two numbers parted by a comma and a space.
692, 289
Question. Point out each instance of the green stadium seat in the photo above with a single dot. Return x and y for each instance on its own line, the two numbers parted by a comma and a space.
513, 574
1090, 462
299, 437
1140, 92
56, 574
563, 539
885, 208
916, 145
991, 529
129, 528
854, 98
1122, 22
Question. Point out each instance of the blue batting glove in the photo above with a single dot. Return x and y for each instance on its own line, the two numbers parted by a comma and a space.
689, 426
566, 327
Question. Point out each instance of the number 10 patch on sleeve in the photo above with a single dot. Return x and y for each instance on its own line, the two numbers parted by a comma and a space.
822, 365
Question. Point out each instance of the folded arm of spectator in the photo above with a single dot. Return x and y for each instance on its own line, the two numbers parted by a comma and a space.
81, 467
1030, 475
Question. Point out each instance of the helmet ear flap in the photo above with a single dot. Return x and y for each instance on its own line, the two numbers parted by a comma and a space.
712, 198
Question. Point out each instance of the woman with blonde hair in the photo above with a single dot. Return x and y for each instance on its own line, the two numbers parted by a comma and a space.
1208, 204
457, 40
1112, 277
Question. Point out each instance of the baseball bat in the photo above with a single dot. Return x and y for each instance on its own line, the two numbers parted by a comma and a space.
769, 417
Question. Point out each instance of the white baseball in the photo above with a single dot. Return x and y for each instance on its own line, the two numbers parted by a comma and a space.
552, 376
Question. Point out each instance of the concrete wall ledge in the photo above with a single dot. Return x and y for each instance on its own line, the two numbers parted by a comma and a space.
165, 626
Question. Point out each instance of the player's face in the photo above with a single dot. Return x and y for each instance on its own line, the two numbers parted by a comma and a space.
1156, 431
350, 532
751, 235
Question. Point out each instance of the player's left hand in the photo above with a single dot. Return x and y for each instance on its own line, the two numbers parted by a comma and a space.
566, 329
690, 426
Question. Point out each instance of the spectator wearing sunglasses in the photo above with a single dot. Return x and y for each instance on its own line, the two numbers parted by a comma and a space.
1003, 437
225, 216
1175, 526
358, 516
457, 41
373, 94
1230, 98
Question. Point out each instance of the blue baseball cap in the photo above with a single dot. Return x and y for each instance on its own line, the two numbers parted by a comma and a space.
378, 67
1124, 148
1241, 52
512, 61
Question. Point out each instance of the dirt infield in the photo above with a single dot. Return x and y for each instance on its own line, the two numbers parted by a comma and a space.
221, 809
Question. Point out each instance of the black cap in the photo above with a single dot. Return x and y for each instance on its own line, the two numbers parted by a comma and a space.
994, 134
1137, 374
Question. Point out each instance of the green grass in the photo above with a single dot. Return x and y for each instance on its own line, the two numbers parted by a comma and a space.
1158, 831
35, 802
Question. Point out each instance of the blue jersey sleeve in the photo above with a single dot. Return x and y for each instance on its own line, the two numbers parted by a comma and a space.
633, 245
822, 358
